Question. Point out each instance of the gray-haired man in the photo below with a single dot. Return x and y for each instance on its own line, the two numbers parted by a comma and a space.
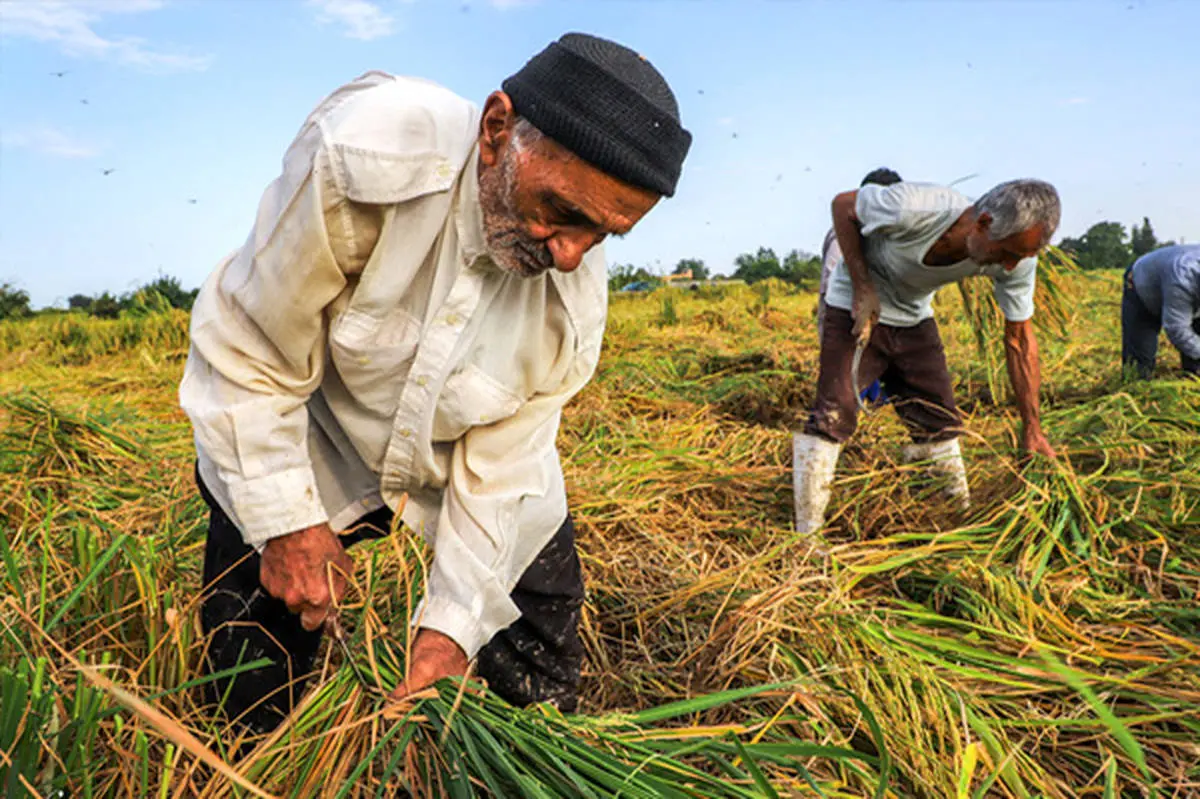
900, 244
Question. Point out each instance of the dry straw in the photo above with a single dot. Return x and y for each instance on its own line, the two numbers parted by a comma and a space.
1042, 645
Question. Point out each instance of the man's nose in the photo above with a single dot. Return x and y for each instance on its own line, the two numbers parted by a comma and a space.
568, 248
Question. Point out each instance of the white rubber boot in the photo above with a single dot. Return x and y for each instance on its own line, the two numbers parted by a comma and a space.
814, 460
945, 463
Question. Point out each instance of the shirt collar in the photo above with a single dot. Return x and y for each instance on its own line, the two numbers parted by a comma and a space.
469, 214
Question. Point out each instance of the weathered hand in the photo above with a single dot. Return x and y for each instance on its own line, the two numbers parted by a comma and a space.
308, 570
866, 309
1034, 442
434, 656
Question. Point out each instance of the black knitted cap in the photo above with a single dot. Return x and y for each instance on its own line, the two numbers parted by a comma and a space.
608, 105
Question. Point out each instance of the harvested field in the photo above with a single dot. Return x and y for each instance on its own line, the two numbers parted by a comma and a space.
1044, 644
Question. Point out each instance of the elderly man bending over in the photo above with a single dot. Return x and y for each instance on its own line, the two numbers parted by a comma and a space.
900, 244
422, 291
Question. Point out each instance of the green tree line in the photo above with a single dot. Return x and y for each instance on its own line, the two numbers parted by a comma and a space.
1107, 245
799, 268
157, 295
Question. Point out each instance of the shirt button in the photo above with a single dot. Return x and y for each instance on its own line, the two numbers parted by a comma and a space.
453, 319
404, 432
422, 381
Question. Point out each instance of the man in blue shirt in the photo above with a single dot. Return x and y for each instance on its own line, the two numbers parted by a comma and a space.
1162, 292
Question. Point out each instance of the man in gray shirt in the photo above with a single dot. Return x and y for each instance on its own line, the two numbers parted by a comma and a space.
831, 256
901, 243
831, 253
1162, 291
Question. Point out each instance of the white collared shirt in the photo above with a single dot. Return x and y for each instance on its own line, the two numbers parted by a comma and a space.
361, 347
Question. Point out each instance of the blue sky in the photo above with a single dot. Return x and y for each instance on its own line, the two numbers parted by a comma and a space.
196, 100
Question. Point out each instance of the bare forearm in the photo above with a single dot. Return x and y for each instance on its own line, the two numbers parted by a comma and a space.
1024, 371
848, 231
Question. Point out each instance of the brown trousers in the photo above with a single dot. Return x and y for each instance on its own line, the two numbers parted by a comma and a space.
910, 363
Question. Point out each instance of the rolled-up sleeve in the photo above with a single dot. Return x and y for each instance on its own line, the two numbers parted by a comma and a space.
258, 348
1181, 301
1014, 291
502, 505
881, 209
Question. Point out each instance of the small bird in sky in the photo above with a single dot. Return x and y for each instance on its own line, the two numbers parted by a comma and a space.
191, 201
699, 91
60, 74
84, 102
108, 171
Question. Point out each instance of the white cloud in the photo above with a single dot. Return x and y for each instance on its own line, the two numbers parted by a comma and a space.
71, 25
1076, 101
48, 141
360, 19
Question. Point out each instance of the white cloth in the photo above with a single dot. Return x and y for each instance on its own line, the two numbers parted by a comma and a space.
831, 256
899, 224
362, 345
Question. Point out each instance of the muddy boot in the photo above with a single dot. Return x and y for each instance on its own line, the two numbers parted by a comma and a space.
945, 464
813, 462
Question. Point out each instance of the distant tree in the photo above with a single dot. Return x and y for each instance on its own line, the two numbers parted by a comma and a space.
752, 267
698, 269
79, 302
14, 302
171, 291
105, 306
802, 269
1103, 246
1142, 240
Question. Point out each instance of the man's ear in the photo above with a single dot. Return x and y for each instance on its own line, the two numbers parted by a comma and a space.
495, 127
984, 221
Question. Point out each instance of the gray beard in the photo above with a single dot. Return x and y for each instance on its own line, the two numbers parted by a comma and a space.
510, 247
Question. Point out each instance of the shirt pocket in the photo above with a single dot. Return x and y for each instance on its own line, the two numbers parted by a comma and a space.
472, 398
373, 356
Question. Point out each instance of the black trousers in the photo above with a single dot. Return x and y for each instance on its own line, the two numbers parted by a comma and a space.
536, 659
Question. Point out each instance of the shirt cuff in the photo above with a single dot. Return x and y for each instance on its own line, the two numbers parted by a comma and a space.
276, 504
470, 632
1023, 315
